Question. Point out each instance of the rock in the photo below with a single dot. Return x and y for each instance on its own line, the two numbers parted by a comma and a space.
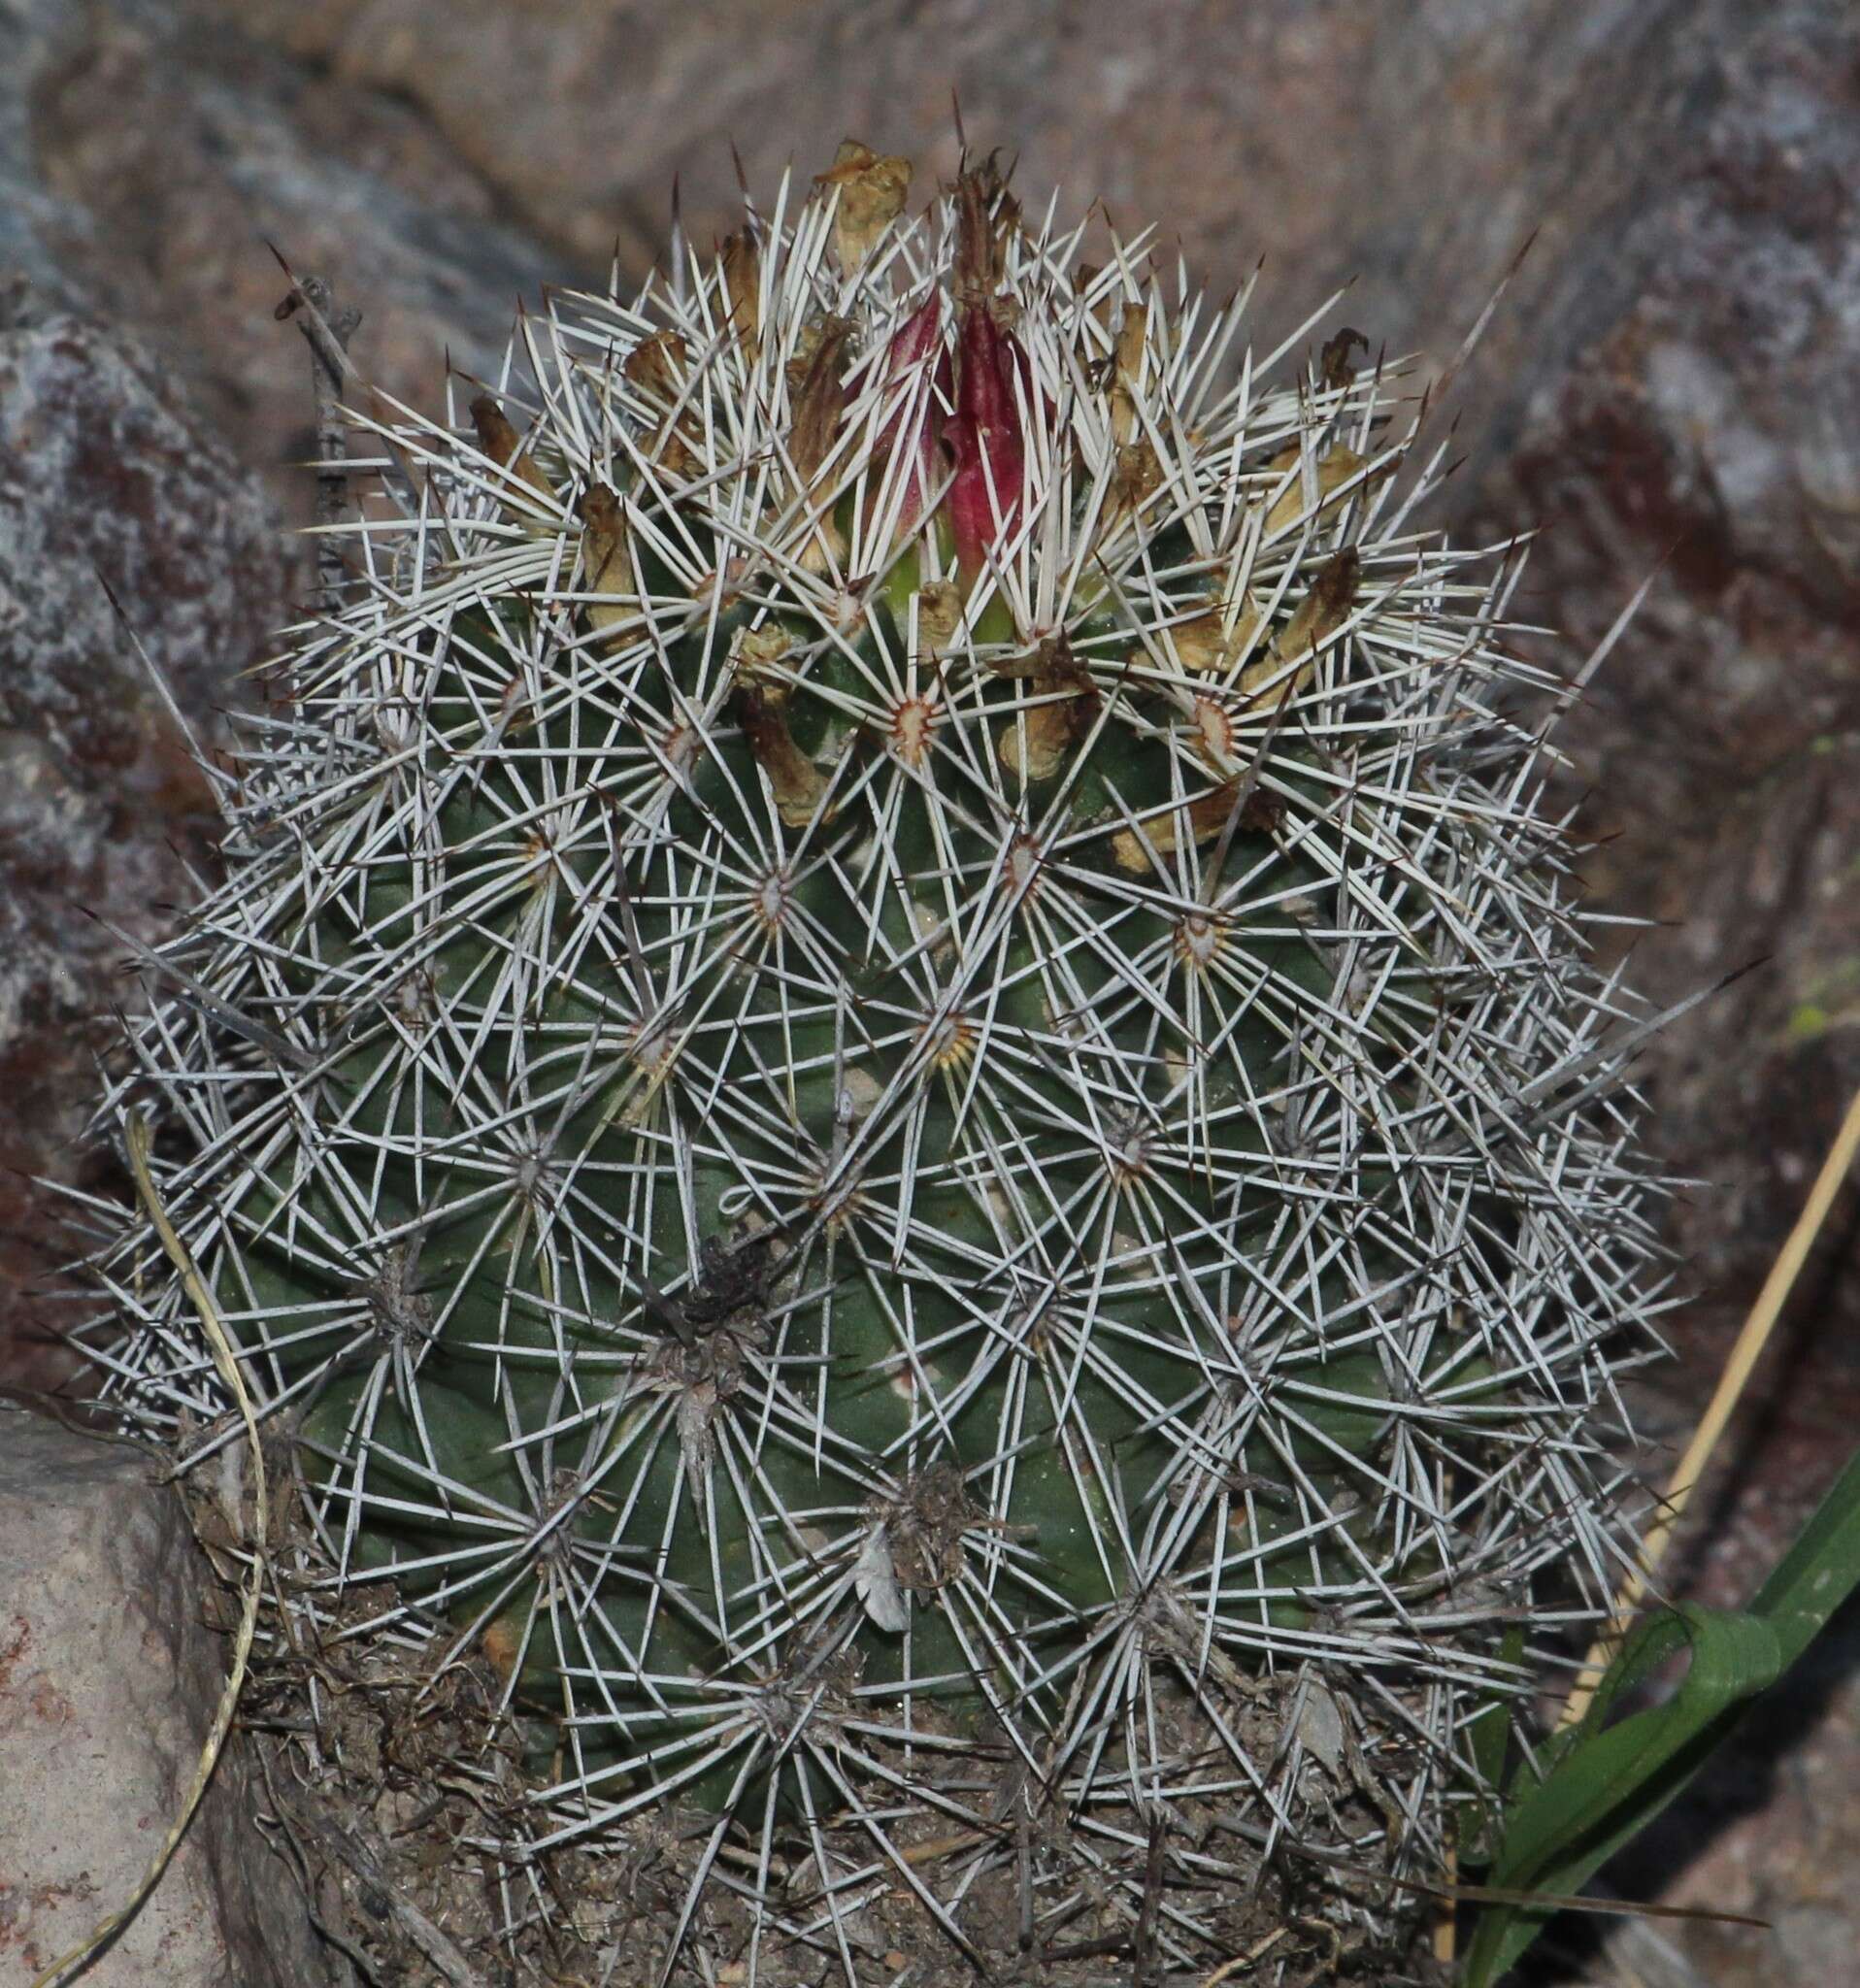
108, 484
108, 1681
1708, 418
173, 152
30, 211
1639, 1954
142, 163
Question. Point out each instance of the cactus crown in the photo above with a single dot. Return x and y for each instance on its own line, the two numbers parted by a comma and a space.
895, 1083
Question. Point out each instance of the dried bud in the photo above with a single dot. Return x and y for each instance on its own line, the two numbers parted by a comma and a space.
653, 367
986, 214
1127, 373
806, 342
605, 564
743, 279
817, 410
1206, 647
502, 443
797, 782
1084, 276
1206, 816
1333, 367
820, 403
871, 194
751, 653
1334, 467
1052, 727
1136, 476
1325, 609
939, 616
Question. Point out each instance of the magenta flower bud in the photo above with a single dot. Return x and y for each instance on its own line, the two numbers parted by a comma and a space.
985, 432
915, 428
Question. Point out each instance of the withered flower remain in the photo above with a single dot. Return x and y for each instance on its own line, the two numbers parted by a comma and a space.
871, 194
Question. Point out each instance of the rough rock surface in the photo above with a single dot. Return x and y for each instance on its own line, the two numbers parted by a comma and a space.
149, 407
167, 153
109, 1680
108, 485
1710, 420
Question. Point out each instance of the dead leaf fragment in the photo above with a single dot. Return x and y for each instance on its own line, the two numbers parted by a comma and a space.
1320, 1727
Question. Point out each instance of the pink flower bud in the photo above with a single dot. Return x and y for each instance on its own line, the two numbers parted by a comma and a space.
913, 430
985, 432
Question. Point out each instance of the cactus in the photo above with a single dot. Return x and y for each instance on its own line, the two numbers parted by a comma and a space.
895, 1086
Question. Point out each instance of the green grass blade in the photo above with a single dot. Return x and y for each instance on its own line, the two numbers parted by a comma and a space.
1818, 1572
1606, 1783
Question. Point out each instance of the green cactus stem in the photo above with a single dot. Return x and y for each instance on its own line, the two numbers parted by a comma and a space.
894, 1069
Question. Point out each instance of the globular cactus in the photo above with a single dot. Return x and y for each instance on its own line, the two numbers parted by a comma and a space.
895, 1084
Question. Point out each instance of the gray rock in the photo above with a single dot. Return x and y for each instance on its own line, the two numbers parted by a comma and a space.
109, 1680
146, 160
31, 213
1817, 1942
168, 153
1703, 426
109, 485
